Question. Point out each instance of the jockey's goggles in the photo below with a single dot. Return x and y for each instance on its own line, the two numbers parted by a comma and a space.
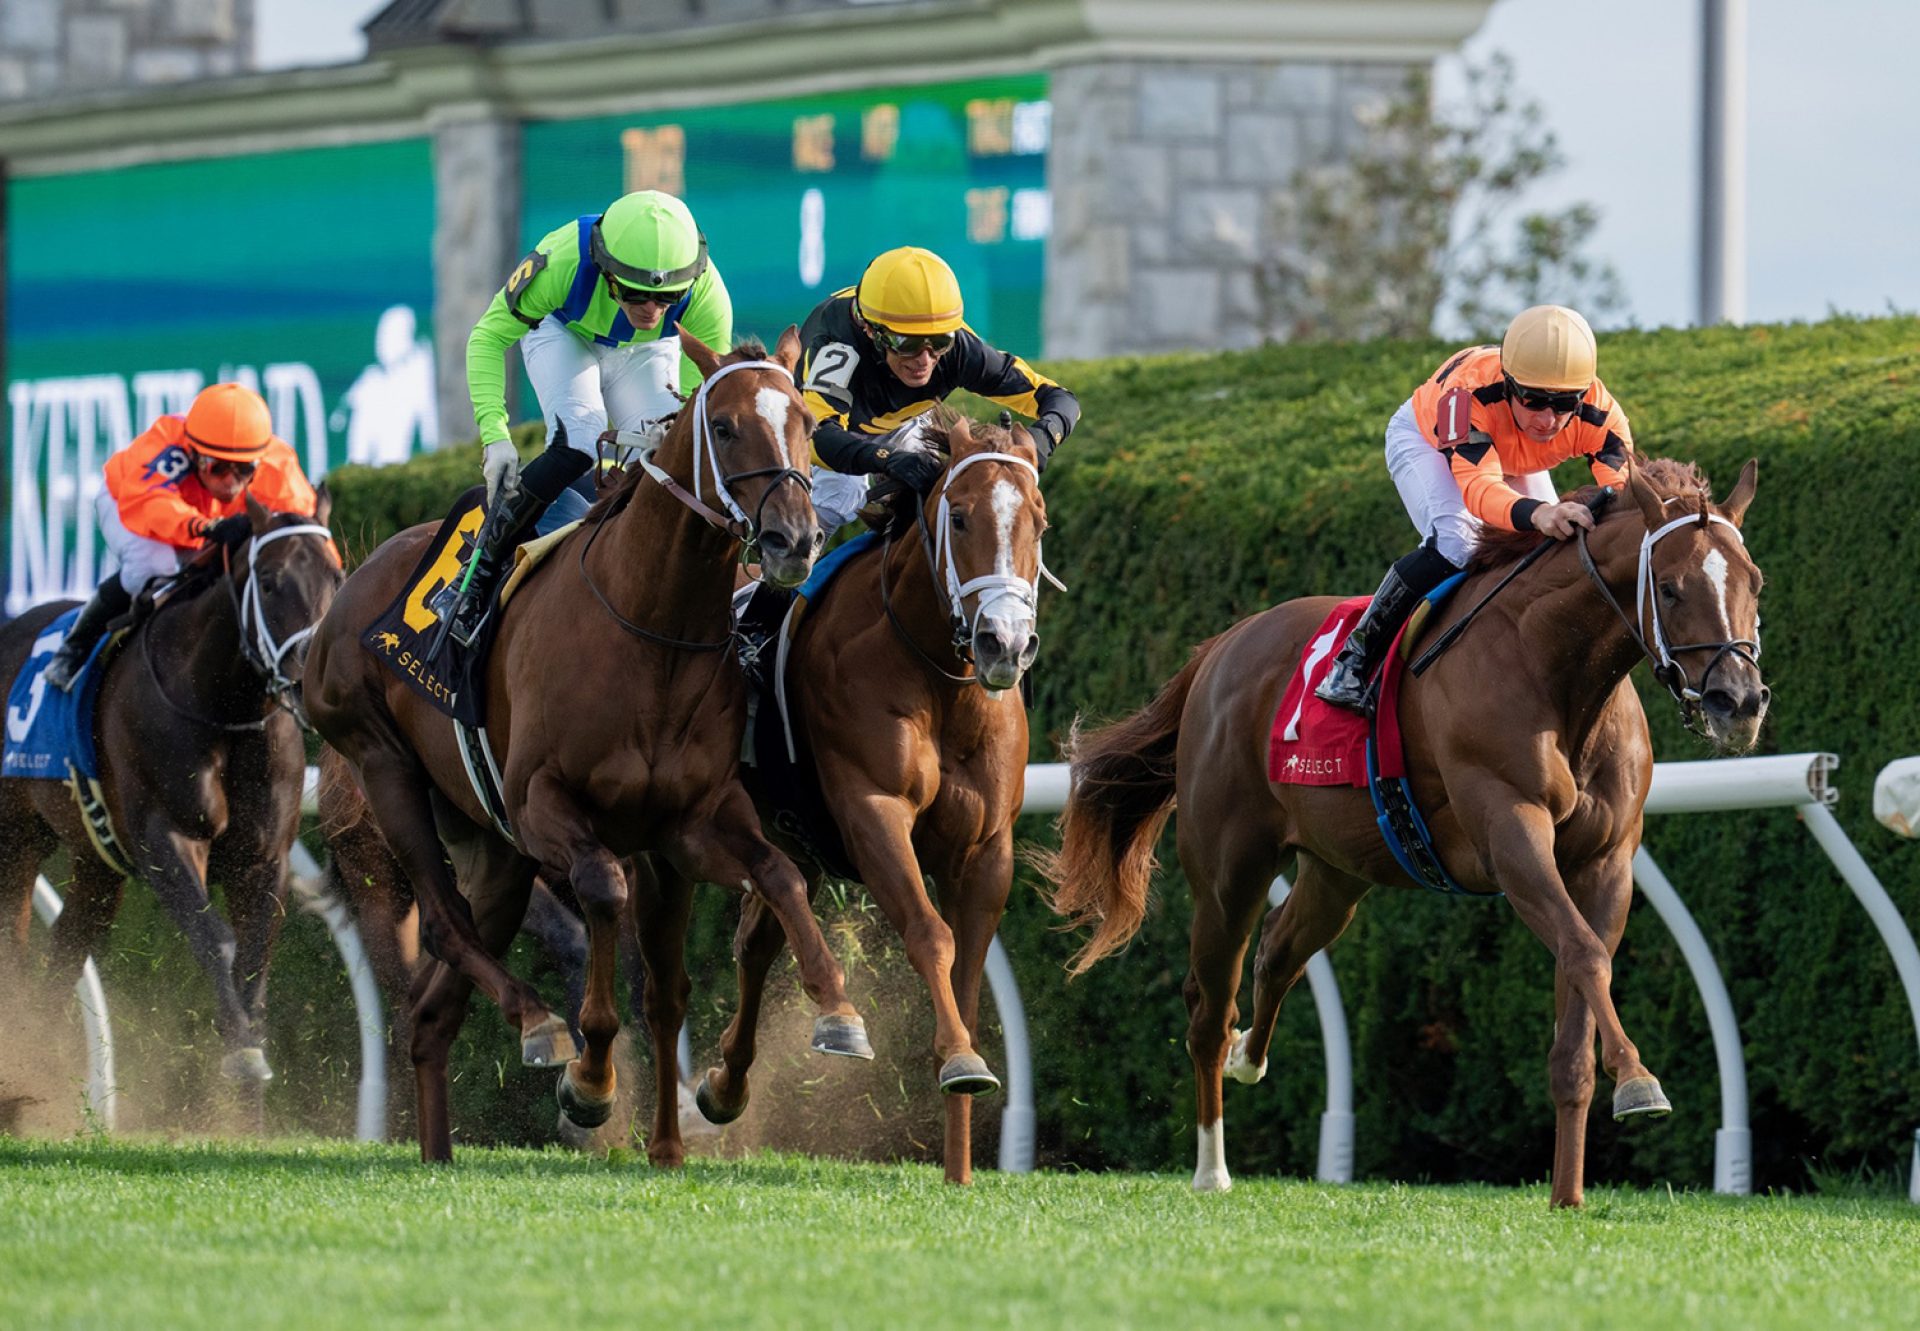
910, 344
221, 467
1558, 401
627, 295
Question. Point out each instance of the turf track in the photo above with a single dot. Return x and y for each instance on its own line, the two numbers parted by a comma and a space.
296, 1234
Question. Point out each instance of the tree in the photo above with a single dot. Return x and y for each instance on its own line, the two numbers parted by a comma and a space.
1415, 228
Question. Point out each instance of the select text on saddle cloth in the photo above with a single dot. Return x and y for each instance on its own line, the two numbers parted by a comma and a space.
1313, 743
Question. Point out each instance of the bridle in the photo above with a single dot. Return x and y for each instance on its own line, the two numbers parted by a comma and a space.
266, 654
990, 588
706, 463
1671, 674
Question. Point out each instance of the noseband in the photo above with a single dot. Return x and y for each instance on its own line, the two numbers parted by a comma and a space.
1671, 674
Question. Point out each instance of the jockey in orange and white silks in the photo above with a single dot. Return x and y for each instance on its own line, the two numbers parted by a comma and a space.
1473, 447
185, 480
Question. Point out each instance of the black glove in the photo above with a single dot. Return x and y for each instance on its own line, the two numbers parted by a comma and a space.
227, 531
1043, 442
915, 470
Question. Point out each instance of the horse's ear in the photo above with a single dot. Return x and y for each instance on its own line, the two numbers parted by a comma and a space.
786, 352
258, 515
1653, 510
699, 353
322, 504
960, 437
1735, 505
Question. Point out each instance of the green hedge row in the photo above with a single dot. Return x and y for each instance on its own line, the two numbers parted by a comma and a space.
1202, 488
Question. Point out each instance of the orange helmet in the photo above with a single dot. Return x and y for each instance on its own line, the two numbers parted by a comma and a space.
229, 421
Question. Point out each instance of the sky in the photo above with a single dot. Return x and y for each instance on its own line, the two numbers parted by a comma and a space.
1832, 196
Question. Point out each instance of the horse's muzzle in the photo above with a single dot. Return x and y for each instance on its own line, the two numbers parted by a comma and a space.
1003, 650
786, 557
1734, 713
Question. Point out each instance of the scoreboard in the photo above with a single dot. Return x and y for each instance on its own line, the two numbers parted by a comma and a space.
796, 196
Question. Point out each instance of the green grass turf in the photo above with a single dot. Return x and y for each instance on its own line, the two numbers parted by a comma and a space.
297, 1234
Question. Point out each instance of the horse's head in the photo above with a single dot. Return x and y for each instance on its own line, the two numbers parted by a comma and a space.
750, 435
284, 576
1698, 599
987, 517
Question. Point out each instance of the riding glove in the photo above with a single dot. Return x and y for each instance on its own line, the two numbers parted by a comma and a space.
500, 464
227, 530
915, 470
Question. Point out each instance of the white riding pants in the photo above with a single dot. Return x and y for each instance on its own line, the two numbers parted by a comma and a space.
141, 557
1427, 487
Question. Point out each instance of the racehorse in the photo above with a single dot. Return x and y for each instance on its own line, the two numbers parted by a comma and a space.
201, 766
1527, 749
616, 712
904, 688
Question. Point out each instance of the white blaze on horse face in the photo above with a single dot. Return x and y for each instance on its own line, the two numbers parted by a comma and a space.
1006, 507
1715, 566
773, 405
1210, 1172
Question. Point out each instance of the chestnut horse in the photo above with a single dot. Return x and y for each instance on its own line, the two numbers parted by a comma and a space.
201, 765
1528, 752
616, 712
904, 688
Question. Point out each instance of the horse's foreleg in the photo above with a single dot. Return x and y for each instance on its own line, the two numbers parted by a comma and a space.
1602, 890
722, 1095
1520, 847
175, 866
1314, 914
398, 795
1229, 879
661, 901
972, 908
728, 848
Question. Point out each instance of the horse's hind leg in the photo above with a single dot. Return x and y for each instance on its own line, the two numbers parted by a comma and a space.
722, 1093
1602, 890
661, 901
1315, 913
25, 843
1229, 870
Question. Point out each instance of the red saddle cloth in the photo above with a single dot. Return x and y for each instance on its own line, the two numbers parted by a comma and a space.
1316, 744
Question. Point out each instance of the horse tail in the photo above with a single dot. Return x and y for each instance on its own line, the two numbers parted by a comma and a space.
1122, 796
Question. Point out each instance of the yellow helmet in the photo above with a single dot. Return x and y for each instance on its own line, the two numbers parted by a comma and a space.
911, 291
1550, 347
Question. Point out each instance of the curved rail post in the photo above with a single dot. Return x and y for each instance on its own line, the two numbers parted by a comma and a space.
370, 1123
1733, 1143
1336, 1121
1017, 1119
103, 1091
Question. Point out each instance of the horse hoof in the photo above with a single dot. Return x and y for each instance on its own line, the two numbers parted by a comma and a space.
249, 1064
585, 1111
1639, 1095
548, 1045
1237, 1065
845, 1036
694, 1122
1212, 1180
572, 1136
968, 1074
711, 1111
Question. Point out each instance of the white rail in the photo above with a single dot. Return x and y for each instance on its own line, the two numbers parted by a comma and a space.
103, 1091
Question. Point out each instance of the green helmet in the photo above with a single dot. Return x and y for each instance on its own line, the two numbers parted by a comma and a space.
648, 240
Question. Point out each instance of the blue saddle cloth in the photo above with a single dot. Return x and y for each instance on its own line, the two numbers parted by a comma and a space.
49, 729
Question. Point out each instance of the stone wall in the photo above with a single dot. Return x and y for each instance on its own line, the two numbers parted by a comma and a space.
476, 241
63, 46
1165, 179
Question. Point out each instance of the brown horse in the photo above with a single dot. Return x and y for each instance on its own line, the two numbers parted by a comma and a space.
904, 688
201, 765
616, 712
1528, 753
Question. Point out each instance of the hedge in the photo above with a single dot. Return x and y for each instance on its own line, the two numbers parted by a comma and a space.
1201, 488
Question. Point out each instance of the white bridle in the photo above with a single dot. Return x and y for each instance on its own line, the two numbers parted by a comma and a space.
703, 449
992, 588
268, 653
1646, 605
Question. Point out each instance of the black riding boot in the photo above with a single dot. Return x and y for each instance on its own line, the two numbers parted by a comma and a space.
758, 624
109, 601
1349, 681
541, 482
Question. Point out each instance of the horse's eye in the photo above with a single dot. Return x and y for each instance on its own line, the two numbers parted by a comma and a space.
1669, 592
959, 521
723, 429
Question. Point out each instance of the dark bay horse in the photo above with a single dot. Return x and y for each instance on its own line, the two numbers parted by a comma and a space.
1528, 753
201, 767
905, 688
616, 713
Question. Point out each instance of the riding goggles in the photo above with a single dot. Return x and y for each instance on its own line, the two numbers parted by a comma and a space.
911, 344
222, 467
627, 295
1559, 401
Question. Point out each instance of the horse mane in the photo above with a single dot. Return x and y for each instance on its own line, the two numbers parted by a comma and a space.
747, 348
1671, 478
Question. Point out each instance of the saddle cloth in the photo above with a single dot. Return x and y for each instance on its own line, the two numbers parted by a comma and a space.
1313, 743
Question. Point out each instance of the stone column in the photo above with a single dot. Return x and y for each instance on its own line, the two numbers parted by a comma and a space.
1165, 178
476, 240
